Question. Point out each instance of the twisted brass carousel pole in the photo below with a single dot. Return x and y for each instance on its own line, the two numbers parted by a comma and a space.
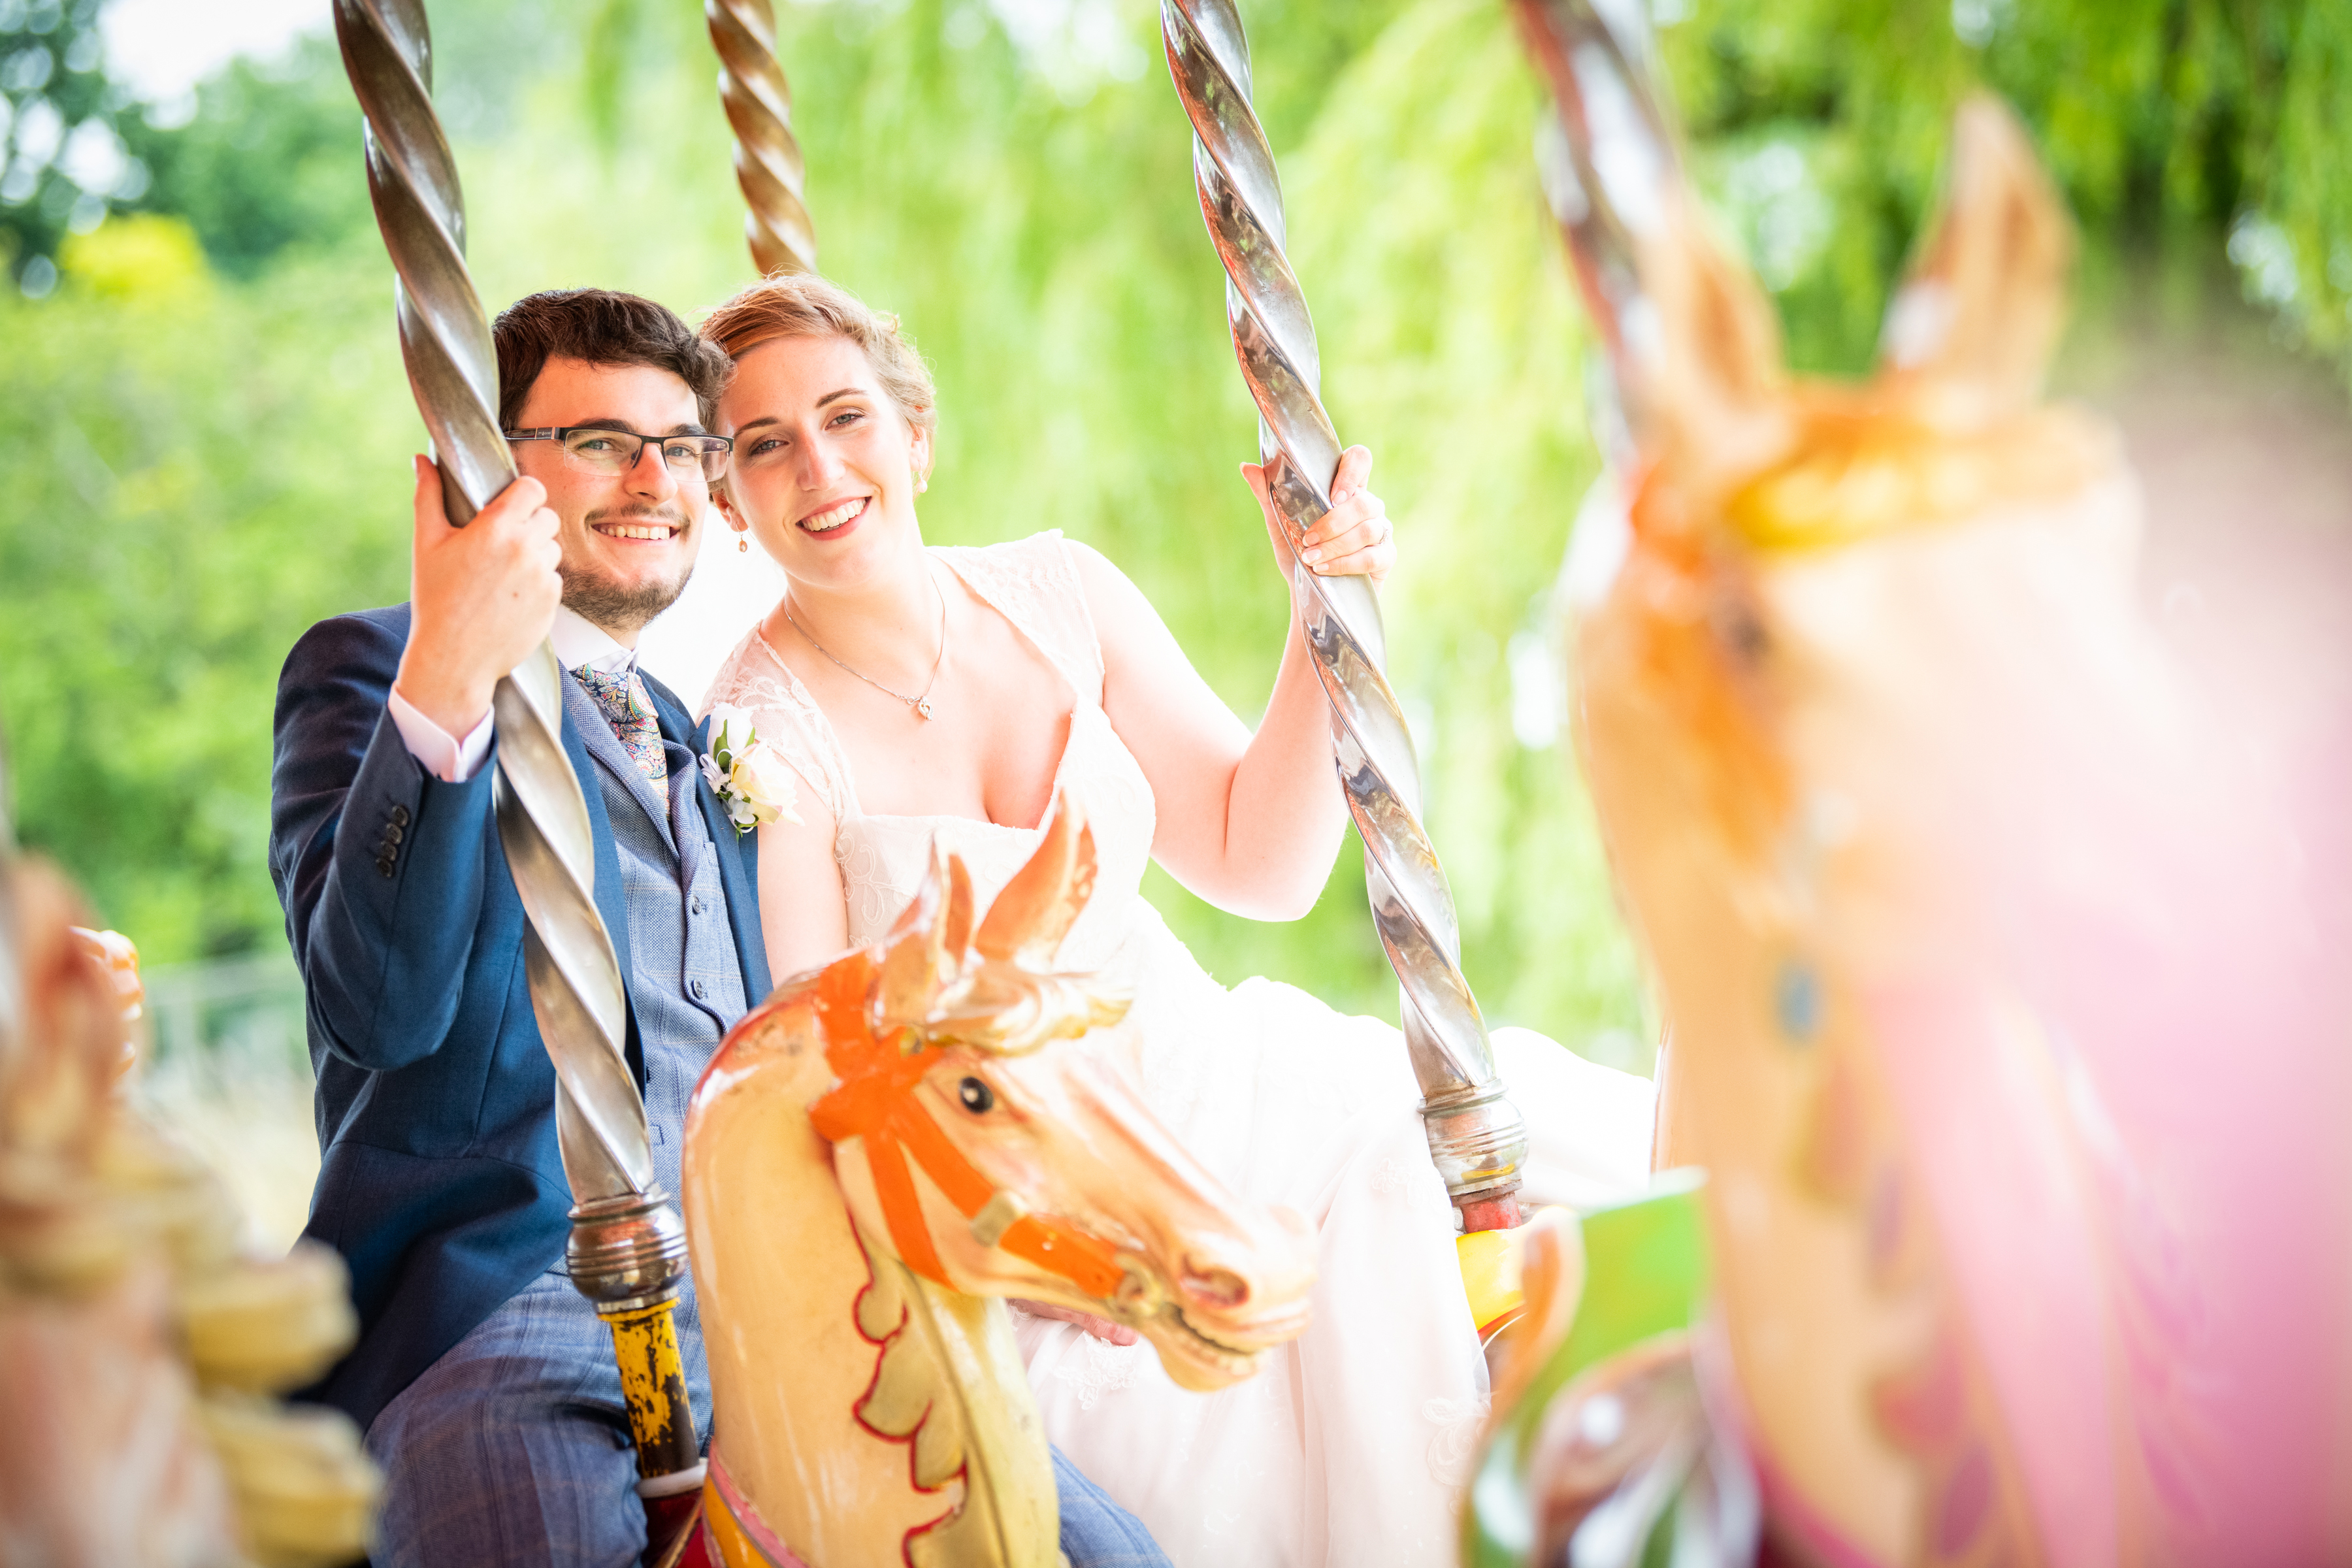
1607, 161
627, 1249
1475, 1135
758, 103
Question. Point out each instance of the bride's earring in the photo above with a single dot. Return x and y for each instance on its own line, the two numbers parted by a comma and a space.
922, 483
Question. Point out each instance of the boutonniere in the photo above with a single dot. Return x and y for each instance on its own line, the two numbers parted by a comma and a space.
750, 777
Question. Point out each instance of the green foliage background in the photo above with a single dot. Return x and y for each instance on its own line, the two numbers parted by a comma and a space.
204, 427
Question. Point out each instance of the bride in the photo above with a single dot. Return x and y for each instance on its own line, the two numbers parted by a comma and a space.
927, 691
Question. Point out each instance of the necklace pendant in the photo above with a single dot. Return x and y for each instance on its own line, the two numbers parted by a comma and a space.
923, 705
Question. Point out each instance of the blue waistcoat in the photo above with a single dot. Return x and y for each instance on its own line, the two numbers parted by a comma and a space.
686, 985
440, 1181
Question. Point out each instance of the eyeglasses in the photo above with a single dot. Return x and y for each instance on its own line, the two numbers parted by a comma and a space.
601, 450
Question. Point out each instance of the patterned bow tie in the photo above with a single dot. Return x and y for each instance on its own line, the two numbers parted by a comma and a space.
631, 713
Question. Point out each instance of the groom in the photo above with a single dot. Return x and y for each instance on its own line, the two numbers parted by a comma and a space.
485, 1383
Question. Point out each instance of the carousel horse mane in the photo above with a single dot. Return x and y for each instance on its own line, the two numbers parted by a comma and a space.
884, 1146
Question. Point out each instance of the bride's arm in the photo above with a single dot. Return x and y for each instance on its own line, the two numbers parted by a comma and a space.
1251, 823
804, 911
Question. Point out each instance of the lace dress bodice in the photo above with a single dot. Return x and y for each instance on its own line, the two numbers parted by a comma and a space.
1033, 583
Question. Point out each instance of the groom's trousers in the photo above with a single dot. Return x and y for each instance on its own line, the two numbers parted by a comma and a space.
513, 1452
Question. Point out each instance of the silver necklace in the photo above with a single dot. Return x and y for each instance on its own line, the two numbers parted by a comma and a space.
922, 704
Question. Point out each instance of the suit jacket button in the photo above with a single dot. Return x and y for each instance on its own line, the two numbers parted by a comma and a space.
383, 864
400, 816
392, 834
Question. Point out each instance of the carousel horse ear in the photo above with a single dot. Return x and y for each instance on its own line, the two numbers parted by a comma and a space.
916, 959
959, 922
1693, 343
1712, 390
1970, 330
1038, 906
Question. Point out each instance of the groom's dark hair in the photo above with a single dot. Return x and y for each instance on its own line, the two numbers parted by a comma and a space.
603, 327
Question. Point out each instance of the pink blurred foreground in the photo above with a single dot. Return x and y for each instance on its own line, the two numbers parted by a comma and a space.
2001, 934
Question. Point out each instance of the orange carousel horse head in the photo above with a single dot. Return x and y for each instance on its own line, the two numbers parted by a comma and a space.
1990, 1010
885, 1146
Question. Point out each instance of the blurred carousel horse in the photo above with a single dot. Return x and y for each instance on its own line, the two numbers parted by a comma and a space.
142, 1351
1994, 1010
871, 1407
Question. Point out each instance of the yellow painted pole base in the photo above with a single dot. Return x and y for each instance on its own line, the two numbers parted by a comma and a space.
653, 1382
1490, 1277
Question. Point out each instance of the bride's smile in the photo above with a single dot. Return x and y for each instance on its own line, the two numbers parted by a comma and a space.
835, 516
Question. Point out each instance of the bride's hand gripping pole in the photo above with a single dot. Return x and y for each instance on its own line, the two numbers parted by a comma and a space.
758, 104
1475, 1135
627, 1248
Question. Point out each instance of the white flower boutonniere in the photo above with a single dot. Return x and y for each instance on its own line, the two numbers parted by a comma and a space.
749, 777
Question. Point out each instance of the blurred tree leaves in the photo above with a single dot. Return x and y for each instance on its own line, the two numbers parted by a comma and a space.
60, 160
202, 430
266, 164
2182, 131
180, 463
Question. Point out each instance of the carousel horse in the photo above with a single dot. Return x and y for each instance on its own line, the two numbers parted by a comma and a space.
884, 1146
1990, 1011
144, 1348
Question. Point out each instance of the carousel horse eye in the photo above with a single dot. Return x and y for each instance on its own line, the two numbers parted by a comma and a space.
977, 1096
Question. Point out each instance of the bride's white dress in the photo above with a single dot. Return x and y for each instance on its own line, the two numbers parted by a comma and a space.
1350, 1447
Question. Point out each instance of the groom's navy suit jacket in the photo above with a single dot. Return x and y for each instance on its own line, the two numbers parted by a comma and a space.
441, 1183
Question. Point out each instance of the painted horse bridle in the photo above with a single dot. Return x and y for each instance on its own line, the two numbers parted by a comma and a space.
876, 1101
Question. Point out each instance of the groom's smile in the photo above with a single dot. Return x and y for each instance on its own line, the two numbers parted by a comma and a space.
651, 527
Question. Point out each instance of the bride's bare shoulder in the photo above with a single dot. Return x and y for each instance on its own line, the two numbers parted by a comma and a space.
1035, 560
1126, 623
1109, 590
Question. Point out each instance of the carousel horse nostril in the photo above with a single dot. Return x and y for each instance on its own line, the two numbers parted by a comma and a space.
1214, 1287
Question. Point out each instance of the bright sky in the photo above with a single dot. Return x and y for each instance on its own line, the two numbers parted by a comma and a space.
164, 47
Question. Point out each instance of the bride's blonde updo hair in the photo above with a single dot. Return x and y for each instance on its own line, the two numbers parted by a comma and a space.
809, 307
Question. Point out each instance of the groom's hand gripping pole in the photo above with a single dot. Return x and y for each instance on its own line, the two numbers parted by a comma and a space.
484, 597
627, 1251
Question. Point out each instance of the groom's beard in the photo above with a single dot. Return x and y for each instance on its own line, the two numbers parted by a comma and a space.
621, 607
